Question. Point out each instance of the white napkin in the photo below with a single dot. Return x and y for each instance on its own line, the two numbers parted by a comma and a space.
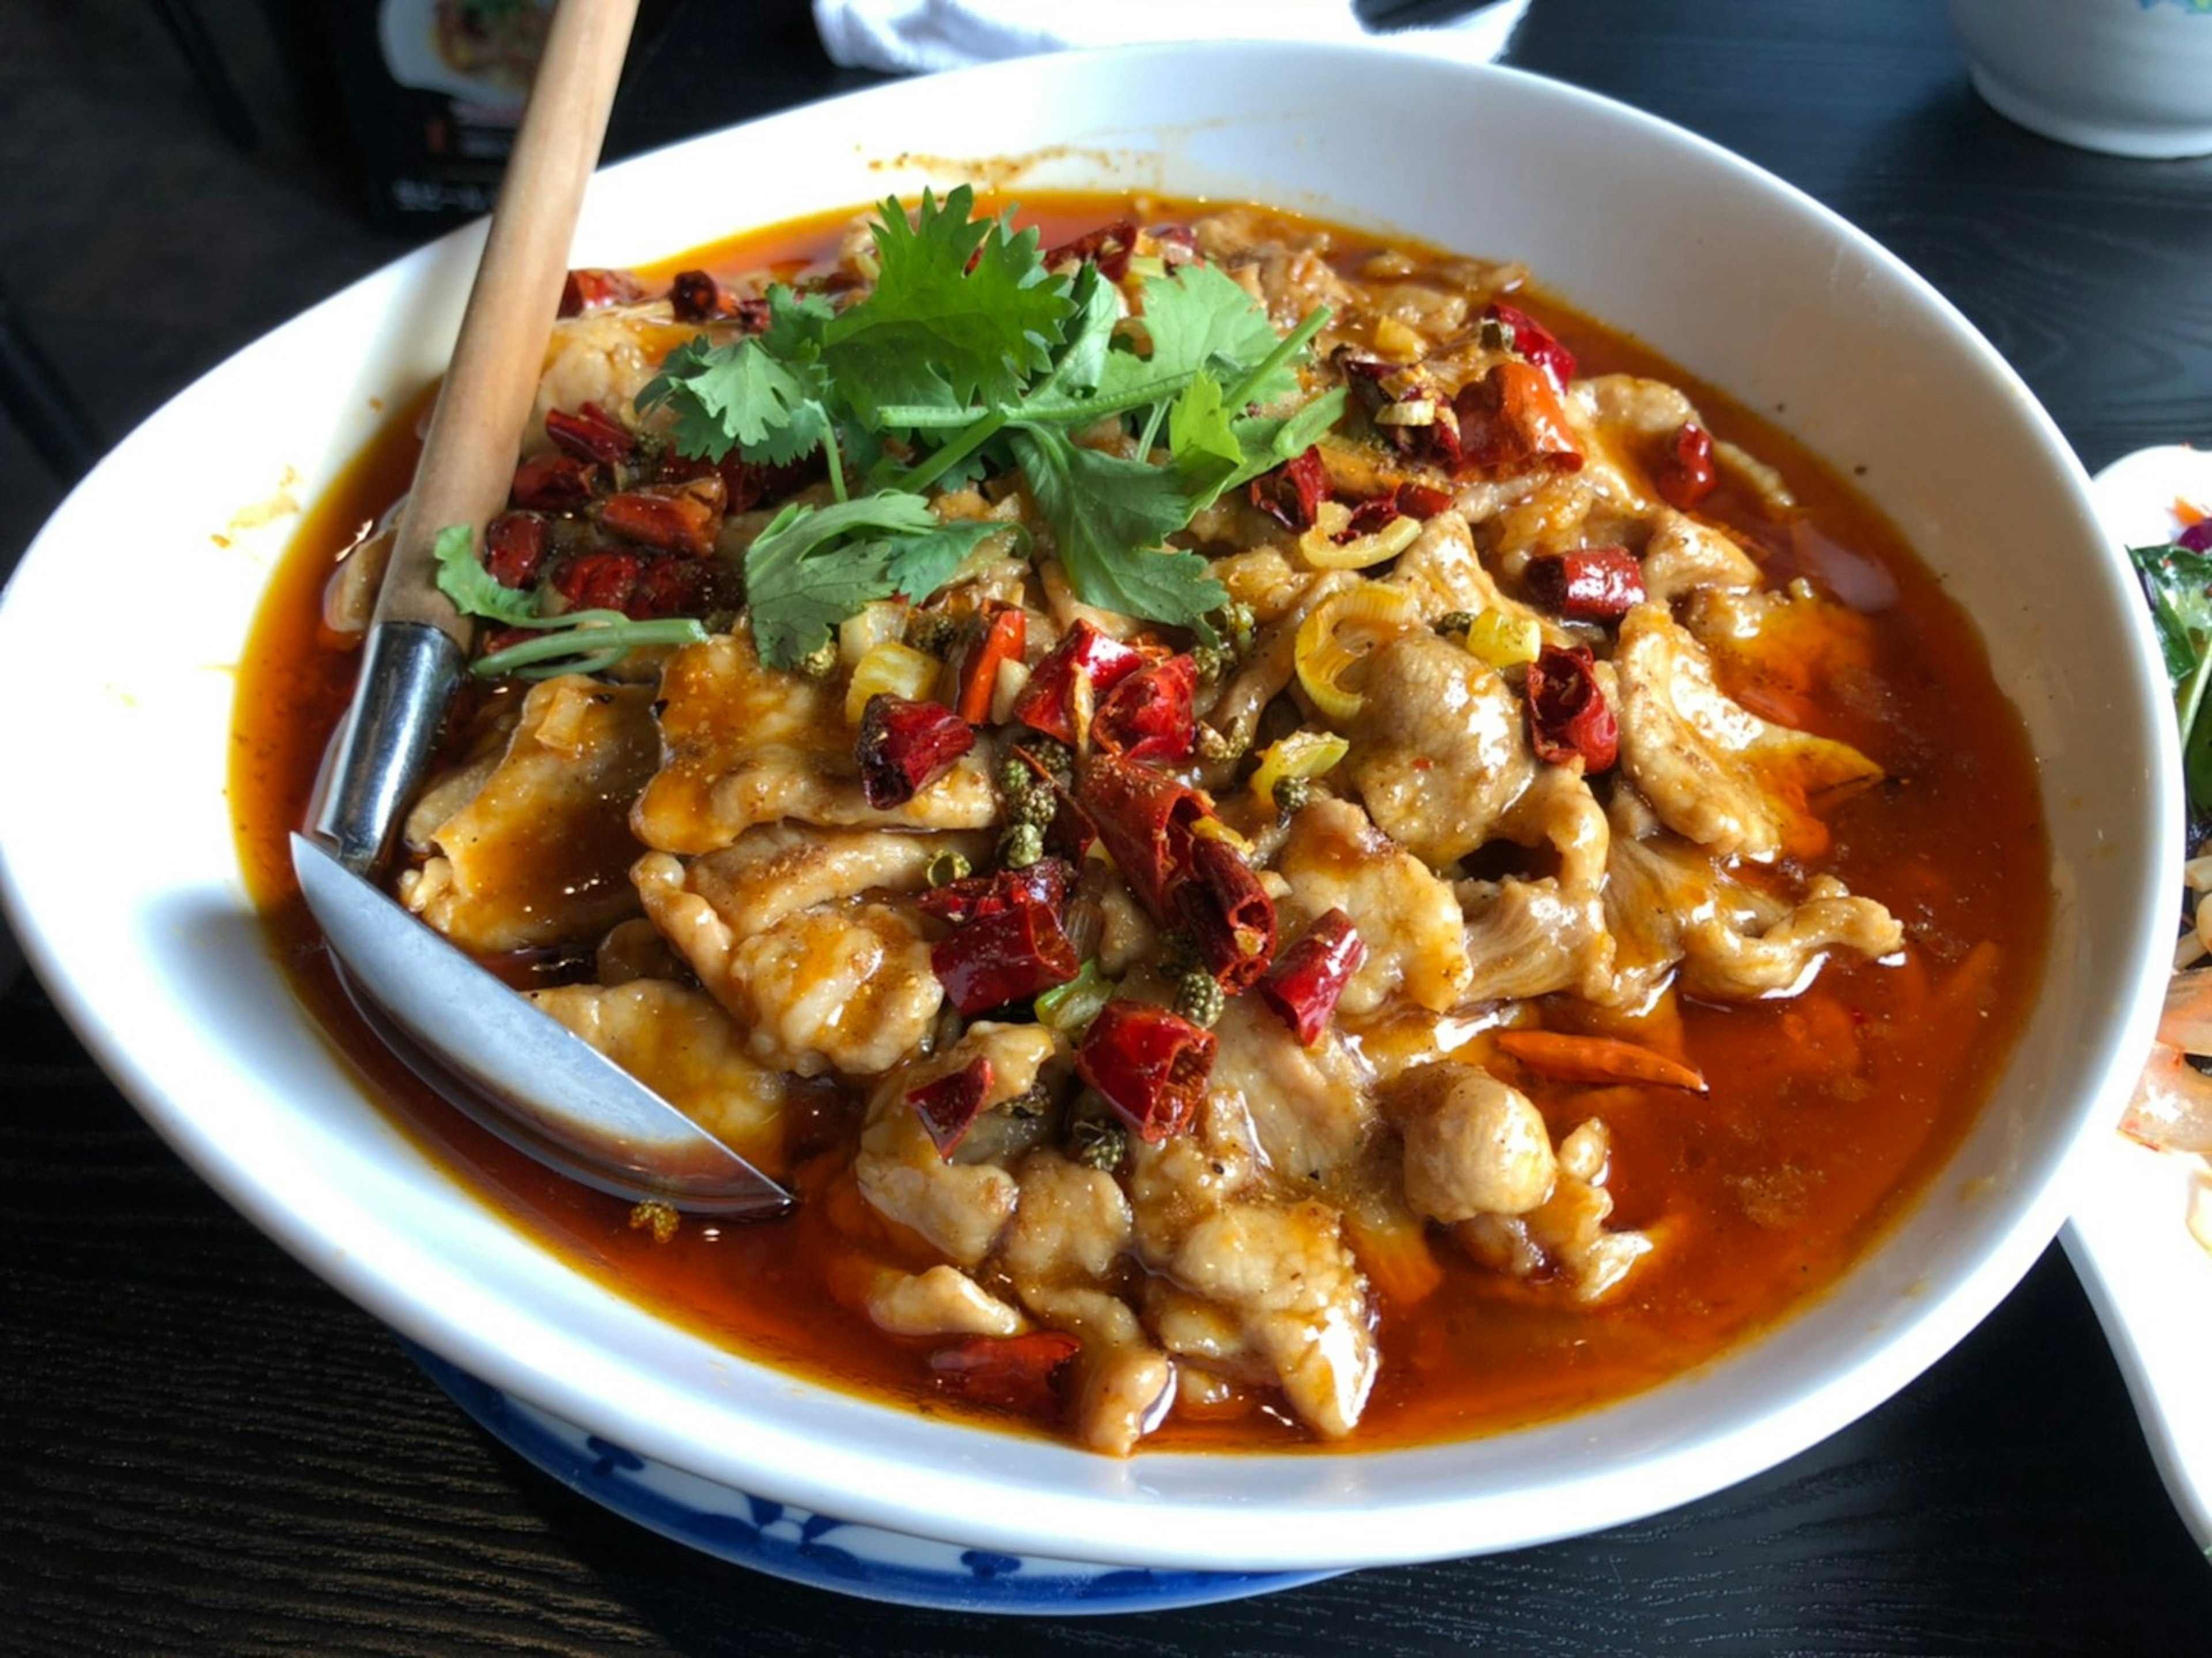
905, 36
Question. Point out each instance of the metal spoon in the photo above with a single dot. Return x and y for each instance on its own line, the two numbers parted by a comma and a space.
511, 1067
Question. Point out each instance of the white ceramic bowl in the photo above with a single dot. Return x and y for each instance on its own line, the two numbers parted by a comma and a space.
126, 888
2129, 77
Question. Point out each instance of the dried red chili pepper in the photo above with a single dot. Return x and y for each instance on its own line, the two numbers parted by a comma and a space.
591, 433
1533, 342
1006, 956
1147, 715
1511, 421
1017, 1373
1177, 243
589, 289
1309, 977
599, 581
1292, 494
1045, 881
999, 634
695, 296
1108, 247
1404, 499
682, 586
514, 547
1144, 817
1568, 717
554, 483
1228, 914
676, 518
1590, 584
948, 1107
905, 746
1046, 703
1150, 1064
1687, 475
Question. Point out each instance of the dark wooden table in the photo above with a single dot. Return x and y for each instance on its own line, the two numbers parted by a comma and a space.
203, 1448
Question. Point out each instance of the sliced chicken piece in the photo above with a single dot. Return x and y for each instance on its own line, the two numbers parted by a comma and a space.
1530, 936
1667, 904
1473, 1144
744, 745
1566, 1235
776, 870
1309, 1107
847, 987
536, 853
679, 1043
943, 1301
1714, 772
1685, 557
963, 1204
1409, 920
1439, 747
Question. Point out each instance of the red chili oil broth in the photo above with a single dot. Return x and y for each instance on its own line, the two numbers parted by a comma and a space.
1826, 1113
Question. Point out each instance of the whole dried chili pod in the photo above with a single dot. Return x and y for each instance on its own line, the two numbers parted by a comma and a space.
1292, 494
1511, 421
514, 547
904, 746
1228, 913
1108, 247
591, 433
555, 483
1590, 584
590, 288
1144, 819
1149, 1064
675, 518
948, 1107
602, 580
1309, 978
1007, 956
1533, 342
1047, 702
1147, 714
1568, 717
1687, 474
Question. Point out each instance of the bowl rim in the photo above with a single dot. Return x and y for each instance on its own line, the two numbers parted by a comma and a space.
1143, 1512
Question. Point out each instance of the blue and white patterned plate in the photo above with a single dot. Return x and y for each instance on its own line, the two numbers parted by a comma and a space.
822, 1551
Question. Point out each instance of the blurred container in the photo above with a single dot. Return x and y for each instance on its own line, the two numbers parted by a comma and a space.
2129, 77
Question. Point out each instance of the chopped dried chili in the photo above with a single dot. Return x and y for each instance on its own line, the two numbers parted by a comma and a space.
1147, 714
1590, 584
904, 746
1568, 717
1084, 658
554, 483
1292, 494
1511, 421
948, 1107
1309, 978
1533, 342
1687, 475
676, 518
1017, 1373
1149, 1064
591, 433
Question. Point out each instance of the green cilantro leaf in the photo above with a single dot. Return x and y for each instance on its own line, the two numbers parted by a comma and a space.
1109, 517
739, 397
2178, 584
963, 312
804, 576
1201, 438
1198, 318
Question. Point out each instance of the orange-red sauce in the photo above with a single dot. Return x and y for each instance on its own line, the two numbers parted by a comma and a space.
1762, 1190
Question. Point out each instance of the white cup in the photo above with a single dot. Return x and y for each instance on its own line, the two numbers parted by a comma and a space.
2129, 77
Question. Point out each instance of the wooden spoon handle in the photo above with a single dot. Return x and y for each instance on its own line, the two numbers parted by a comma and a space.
468, 457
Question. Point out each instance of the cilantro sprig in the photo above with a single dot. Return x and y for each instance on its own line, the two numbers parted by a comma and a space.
2178, 582
967, 348
576, 641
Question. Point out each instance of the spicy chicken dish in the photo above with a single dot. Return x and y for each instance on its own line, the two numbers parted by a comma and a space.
1284, 841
